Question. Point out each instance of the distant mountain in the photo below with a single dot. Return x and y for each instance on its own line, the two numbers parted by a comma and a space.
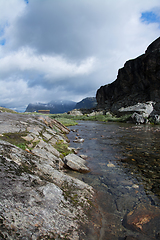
87, 103
62, 106
53, 106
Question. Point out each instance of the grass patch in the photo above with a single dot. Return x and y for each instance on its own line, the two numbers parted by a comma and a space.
123, 118
15, 139
21, 145
66, 121
2, 109
69, 120
62, 148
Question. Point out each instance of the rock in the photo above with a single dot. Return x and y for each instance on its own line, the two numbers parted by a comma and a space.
79, 140
155, 119
74, 130
37, 199
32, 205
75, 163
83, 156
75, 112
95, 113
137, 81
52, 122
110, 165
135, 186
130, 238
144, 109
61, 164
137, 118
144, 218
46, 150
28, 137
108, 114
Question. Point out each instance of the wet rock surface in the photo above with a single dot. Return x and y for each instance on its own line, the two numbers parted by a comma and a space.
144, 218
37, 200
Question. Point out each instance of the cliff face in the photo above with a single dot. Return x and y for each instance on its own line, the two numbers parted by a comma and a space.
137, 81
86, 103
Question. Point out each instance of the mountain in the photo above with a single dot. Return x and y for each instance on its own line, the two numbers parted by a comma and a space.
87, 103
137, 82
53, 106
62, 106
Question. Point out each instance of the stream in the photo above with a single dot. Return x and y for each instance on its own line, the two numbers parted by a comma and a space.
124, 160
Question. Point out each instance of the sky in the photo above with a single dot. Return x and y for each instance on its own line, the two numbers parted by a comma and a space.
67, 49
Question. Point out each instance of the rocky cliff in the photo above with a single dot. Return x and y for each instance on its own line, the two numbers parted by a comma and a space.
137, 82
87, 103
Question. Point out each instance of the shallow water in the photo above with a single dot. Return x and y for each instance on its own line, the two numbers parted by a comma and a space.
124, 160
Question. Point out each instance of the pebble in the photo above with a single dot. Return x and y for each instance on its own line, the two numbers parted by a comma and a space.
110, 165
135, 186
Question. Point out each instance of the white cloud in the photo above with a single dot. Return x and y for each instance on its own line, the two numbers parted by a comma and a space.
52, 68
11, 9
52, 50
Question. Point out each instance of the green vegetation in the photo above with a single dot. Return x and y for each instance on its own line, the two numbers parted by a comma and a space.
2, 109
21, 145
69, 120
15, 139
62, 147
66, 121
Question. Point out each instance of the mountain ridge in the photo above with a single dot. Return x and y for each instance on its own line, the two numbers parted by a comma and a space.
61, 106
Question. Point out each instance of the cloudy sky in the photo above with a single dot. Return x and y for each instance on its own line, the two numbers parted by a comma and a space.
67, 49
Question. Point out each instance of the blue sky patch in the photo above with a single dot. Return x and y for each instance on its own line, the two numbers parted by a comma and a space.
149, 17
1, 30
27, 1
2, 42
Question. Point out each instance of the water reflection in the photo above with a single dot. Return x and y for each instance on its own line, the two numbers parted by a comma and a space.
125, 164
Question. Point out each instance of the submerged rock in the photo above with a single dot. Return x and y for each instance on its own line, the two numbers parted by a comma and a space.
145, 219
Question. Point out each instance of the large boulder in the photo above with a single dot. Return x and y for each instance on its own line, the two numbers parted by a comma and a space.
145, 109
75, 112
75, 163
137, 81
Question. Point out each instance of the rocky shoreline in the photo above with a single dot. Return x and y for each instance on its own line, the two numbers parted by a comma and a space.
38, 199
139, 113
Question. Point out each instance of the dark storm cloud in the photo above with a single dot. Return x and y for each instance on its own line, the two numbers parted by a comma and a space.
68, 28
